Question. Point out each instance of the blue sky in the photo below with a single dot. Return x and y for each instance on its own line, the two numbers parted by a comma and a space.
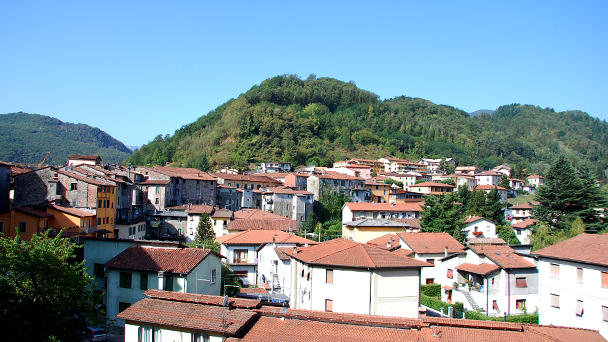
137, 69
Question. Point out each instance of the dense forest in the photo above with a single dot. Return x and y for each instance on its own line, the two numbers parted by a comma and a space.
26, 138
319, 121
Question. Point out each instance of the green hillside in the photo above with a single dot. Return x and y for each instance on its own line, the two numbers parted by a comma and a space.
319, 121
26, 138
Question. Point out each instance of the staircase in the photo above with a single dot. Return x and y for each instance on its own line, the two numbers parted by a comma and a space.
275, 281
468, 296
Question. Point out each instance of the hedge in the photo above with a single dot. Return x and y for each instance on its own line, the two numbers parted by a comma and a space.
524, 318
437, 304
431, 290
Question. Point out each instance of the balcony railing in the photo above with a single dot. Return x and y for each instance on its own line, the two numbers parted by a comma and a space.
243, 261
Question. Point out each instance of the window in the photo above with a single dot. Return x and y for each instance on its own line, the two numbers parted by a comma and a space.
554, 301
99, 221
98, 271
604, 276
579, 308
555, 271
329, 276
148, 333
492, 280
143, 281
23, 227
431, 261
73, 186
450, 273
240, 256
521, 282
156, 201
168, 284
579, 275
329, 305
125, 279
430, 280
213, 276
520, 304
1, 227
200, 337
605, 313
122, 306
495, 305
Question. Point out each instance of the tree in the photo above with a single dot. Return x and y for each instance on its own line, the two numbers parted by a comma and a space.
506, 233
464, 195
309, 225
203, 164
446, 167
43, 289
205, 237
443, 214
558, 198
330, 206
448, 181
392, 181
590, 197
504, 182
230, 283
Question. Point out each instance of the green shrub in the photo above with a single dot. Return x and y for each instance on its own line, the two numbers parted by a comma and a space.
438, 304
525, 318
431, 290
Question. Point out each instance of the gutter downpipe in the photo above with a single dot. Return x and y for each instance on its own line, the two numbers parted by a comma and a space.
487, 296
370, 290
310, 293
509, 297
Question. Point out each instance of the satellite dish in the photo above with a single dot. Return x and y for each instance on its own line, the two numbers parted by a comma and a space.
225, 302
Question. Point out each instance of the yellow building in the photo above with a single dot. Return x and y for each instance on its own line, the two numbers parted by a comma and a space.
368, 229
106, 208
380, 191
23, 221
74, 221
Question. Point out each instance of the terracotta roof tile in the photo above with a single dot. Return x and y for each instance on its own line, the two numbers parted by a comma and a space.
85, 179
284, 253
587, 248
389, 242
470, 219
71, 211
83, 157
489, 187
34, 212
342, 252
182, 172
253, 290
459, 334
503, 256
426, 184
525, 224
486, 241
481, 269
155, 182
256, 214
246, 224
188, 315
566, 333
258, 237
404, 252
271, 329
241, 303
470, 323
287, 191
247, 178
523, 206
435, 243
173, 260
337, 176
200, 208
223, 213
413, 223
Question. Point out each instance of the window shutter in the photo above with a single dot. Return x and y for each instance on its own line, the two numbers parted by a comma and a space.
329, 305
579, 307
579, 275
329, 276
604, 279
555, 271
521, 282
605, 313
555, 300
450, 273
495, 306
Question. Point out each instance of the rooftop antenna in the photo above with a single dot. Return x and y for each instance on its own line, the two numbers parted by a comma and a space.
225, 302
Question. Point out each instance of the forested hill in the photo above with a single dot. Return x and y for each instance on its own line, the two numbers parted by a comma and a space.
319, 121
26, 138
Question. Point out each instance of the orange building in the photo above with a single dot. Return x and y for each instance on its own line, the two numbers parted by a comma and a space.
23, 221
380, 192
74, 221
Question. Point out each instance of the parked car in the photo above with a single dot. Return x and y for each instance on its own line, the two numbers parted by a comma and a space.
95, 334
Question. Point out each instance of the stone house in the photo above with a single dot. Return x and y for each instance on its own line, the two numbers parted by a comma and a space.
292, 204
297, 181
184, 186
337, 183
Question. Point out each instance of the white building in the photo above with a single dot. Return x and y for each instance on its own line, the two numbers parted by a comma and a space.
242, 250
501, 191
573, 277
488, 178
521, 212
479, 227
524, 230
171, 316
536, 180
430, 247
344, 276
137, 269
355, 211
274, 167
502, 280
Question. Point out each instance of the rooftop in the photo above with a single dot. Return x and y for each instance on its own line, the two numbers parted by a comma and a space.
182, 172
376, 223
586, 248
503, 256
481, 269
71, 211
154, 259
241, 303
383, 206
525, 224
434, 243
389, 242
263, 224
258, 237
257, 214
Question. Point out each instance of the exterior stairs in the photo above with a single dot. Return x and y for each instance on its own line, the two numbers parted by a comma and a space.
468, 296
275, 281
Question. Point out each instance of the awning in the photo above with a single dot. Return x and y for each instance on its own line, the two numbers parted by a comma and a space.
481, 269
447, 287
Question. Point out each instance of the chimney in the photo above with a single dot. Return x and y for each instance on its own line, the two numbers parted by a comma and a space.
295, 250
388, 245
446, 251
273, 241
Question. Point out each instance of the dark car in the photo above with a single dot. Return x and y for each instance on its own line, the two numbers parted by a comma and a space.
95, 334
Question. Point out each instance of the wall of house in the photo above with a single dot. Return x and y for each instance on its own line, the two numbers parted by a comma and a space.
488, 229
270, 264
396, 293
229, 253
365, 234
137, 230
35, 187
168, 333
10, 222
570, 290
116, 294
434, 273
5, 187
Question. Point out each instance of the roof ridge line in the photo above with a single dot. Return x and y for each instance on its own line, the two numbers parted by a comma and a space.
333, 252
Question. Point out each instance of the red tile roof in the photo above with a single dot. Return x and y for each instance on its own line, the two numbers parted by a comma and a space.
337, 175
523, 206
429, 184
503, 256
83, 178
284, 253
404, 252
155, 182
287, 191
486, 241
389, 242
199, 209
253, 290
83, 157
258, 237
223, 213
342, 252
586, 248
470, 219
182, 172
246, 178
435, 243
470, 323
245, 224
481, 269
566, 333
413, 223
489, 187
525, 224
241, 303
402, 207
338, 317
71, 211
257, 214
33, 212
271, 329
173, 260
16, 170
188, 315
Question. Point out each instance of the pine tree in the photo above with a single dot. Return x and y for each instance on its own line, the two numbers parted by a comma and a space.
443, 214
203, 164
205, 237
590, 198
504, 182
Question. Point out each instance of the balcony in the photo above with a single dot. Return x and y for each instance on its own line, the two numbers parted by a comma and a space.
244, 261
